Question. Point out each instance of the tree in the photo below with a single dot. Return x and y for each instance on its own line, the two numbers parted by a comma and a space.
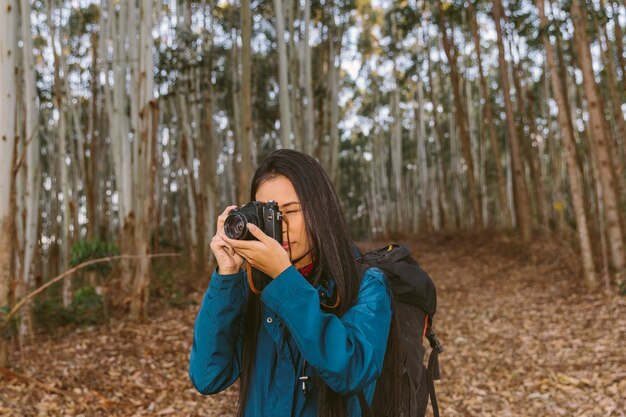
245, 166
460, 117
598, 135
283, 83
522, 207
30, 169
8, 106
142, 167
491, 127
570, 151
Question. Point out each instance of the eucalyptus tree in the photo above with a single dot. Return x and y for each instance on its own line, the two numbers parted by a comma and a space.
283, 82
489, 119
565, 123
28, 174
522, 208
8, 106
460, 114
598, 131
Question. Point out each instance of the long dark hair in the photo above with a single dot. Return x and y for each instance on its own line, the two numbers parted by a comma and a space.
331, 251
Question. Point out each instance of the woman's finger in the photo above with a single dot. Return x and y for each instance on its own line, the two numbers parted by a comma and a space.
258, 233
218, 244
222, 217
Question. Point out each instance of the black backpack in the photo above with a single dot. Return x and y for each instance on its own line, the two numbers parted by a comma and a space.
414, 305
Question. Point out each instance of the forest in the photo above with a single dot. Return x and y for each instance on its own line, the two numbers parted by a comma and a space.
489, 135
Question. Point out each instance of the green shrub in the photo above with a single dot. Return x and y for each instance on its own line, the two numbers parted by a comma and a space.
49, 313
178, 300
85, 250
11, 328
88, 307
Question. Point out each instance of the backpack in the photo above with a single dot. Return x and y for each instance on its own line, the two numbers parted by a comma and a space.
414, 305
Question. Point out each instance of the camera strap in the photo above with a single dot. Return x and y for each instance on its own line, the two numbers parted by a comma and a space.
250, 280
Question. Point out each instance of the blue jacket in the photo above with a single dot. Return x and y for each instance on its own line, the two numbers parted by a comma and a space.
346, 353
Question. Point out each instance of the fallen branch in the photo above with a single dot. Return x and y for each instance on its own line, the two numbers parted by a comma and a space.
69, 272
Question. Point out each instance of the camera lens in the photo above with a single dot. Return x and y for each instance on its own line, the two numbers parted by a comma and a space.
235, 226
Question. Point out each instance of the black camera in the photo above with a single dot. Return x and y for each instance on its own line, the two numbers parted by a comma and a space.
265, 216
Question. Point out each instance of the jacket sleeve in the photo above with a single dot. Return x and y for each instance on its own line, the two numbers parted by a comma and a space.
215, 359
346, 352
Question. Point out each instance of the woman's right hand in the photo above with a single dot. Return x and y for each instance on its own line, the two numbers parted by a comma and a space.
228, 261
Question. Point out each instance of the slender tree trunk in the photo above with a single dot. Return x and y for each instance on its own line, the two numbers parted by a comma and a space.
424, 204
619, 43
461, 118
143, 187
283, 83
616, 111
59, 99
598, 134
522, 207
91, 161
309, 137
8, 104
439, 163
570, 151
334, 44
245, 167
295, 95
32, 166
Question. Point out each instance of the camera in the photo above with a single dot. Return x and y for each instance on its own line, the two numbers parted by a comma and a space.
265, 216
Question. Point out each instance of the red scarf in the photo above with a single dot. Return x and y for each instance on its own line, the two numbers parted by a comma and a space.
306, 270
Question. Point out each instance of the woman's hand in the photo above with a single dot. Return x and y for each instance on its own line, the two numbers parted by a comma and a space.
228, 261
266, 254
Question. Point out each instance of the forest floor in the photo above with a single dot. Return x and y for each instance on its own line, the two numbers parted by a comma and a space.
521, 338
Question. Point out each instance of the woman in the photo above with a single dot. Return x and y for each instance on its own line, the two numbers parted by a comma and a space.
316, 335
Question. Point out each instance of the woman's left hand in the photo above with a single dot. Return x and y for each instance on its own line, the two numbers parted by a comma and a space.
265, 254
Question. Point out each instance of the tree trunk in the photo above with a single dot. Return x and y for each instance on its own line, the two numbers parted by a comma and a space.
142, 184
522, 207
598, 134
309, 137
283, 83
461, 119
8, 104
32, 166
246, 165
616, 111
117, 103
425, 204
59, 100
619, 43
334, 44
439, 163
567, 135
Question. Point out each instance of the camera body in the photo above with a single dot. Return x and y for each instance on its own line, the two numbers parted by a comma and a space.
265, 216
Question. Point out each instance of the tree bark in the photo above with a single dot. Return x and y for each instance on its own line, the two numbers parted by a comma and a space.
439, 163
598, 134
522, 207
32, 166
283, 82
246, 165
309, 137
143, 187
461, 119
8, 104
567, 135
59, 100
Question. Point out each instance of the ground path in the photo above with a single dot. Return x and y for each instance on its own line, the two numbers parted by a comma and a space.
521, 338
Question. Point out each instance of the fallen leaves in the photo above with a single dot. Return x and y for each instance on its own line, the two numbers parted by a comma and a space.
521, 338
